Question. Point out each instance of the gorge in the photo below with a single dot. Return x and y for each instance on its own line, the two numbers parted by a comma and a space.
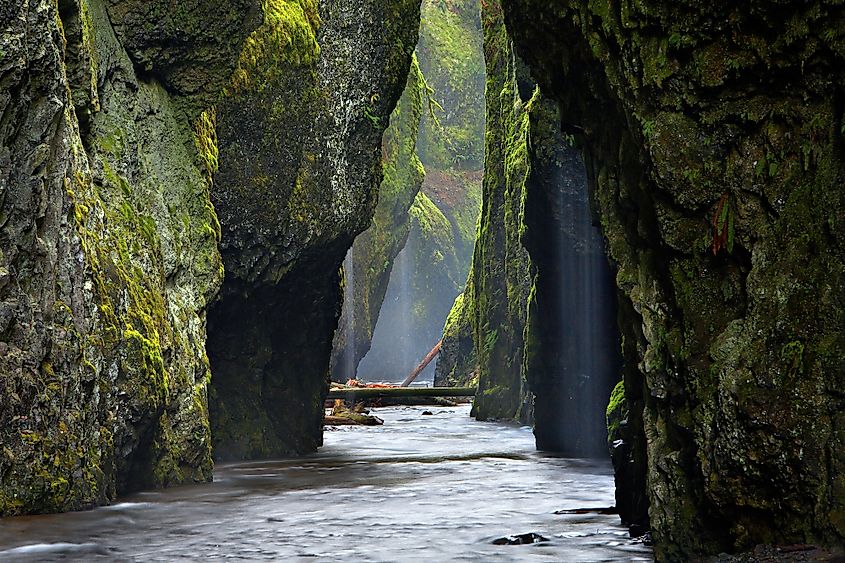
189, 190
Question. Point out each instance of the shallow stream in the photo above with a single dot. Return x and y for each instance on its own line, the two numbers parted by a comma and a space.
439, 487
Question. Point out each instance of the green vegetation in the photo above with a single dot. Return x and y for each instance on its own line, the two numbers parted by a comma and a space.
286, 38
617, 411
451, 57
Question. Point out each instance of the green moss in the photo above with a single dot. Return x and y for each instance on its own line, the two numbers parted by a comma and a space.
733, 349
286, 38
205, 137
450, 49
617, 411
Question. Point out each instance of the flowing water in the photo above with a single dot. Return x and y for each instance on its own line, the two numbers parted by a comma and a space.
420, 488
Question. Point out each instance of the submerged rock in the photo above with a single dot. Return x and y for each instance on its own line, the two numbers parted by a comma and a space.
520, 539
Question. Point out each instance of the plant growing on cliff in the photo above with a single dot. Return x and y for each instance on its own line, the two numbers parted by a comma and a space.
370, 111
723, 225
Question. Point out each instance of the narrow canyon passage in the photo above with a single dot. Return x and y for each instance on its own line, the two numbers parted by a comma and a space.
616, 225
420, 487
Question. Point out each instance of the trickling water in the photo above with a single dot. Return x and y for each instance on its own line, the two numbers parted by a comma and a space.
349, 314
406, 306
438, 488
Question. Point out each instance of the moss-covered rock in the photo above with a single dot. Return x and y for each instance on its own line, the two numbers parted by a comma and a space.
616, 413
457, 365
500, 279
108, 255
712, 135
368, 265
624, 437
300, 134
452, 60
425, 277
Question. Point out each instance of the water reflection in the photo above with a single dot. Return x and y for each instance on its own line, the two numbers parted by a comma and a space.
437, 488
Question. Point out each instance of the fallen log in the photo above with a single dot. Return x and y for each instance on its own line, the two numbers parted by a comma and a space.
423, 364
359, 393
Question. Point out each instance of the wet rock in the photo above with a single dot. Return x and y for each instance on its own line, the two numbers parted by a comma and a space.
300, 133
520, 539
108, 246
497, 323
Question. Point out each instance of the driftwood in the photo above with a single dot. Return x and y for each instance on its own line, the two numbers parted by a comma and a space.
603, 510
356, 416
423, 364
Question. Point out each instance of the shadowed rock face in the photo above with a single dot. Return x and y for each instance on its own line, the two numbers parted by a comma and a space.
300, 150
108, 252
712, 136
178, 43
572, 350
368, 266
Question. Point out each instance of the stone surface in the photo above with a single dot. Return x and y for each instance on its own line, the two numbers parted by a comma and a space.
368, 265
712, 135
108, 254
300, 153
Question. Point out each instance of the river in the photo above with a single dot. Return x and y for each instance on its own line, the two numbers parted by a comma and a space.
439, 487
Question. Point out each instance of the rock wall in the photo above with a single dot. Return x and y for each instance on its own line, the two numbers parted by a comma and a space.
108, 254
368, 265
713, 140
452, 60
501, 279
300, 136
432, 267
